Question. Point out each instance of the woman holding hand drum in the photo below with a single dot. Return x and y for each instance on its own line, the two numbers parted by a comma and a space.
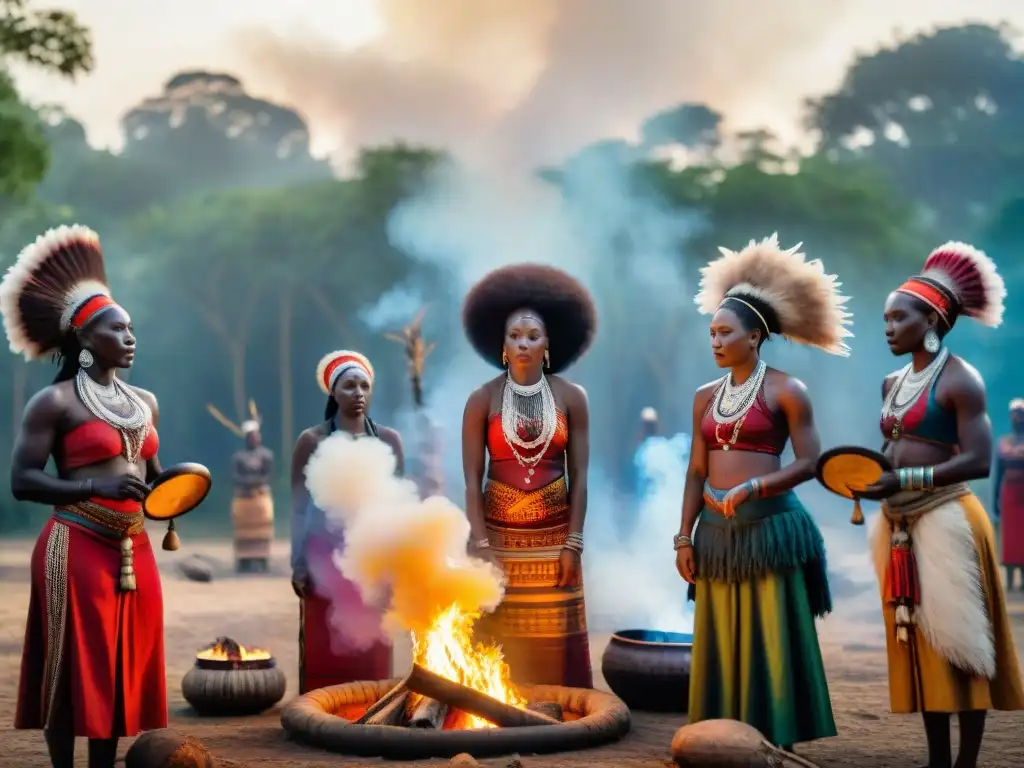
93, 661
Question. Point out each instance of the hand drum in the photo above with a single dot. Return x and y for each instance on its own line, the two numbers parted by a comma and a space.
177, 490
848, 469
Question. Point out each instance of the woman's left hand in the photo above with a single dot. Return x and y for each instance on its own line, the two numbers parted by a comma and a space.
887, 485
738, 495
569, 568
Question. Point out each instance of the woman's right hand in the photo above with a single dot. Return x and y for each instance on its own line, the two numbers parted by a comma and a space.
300, 584
120, 488
685, 564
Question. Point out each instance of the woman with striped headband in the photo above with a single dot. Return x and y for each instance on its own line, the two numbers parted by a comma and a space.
949, 642
93, 659
1009, 495
756, 563
340, 638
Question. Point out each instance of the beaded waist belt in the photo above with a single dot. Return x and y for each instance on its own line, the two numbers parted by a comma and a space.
115, 524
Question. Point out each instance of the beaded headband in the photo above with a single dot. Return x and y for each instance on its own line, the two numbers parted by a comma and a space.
924, 290
333, 365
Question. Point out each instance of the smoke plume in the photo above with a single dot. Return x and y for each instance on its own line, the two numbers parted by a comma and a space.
406, 556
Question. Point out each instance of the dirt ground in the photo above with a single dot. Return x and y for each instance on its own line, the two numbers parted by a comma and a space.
261, 610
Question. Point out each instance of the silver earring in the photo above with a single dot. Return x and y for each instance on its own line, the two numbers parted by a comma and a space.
85, 358
932, 342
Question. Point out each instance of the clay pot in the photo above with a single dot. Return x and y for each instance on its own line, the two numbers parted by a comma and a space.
649, 670
167, 749
233, 688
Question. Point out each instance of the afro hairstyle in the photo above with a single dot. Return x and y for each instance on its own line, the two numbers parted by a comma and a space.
564, 305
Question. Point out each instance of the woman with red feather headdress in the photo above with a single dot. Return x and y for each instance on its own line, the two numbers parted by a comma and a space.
93, 660
949, 642
340, 637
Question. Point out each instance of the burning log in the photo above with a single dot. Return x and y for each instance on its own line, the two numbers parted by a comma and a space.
399, 691
393, 713
429, 713
457, 696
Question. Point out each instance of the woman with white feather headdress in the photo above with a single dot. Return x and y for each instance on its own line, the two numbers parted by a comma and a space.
949, 641
757, 554
93, 660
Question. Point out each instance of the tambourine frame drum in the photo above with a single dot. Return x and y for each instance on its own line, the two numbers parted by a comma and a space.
177, 491
861, 464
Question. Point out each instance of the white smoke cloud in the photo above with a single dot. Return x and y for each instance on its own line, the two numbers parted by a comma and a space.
403, 553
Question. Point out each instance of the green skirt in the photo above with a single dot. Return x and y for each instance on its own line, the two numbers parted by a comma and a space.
761, 581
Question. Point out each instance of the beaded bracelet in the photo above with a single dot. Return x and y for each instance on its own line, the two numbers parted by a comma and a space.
916, 478
482, 544
574, 541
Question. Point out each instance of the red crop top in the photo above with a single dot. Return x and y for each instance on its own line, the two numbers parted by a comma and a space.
499, 448
96, 441
760, 432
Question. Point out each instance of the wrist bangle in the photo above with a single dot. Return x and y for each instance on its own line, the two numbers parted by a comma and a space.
756, 488
86, 487
574, 541
681, 540
482, 544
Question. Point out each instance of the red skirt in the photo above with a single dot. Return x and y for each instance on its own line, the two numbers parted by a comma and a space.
320, 665
1011, 525
89, 646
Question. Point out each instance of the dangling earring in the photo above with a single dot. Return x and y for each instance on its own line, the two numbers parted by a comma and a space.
547, 359
504, 359
85, 358
932, 342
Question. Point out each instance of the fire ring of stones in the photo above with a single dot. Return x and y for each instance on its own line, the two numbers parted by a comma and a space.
310, 719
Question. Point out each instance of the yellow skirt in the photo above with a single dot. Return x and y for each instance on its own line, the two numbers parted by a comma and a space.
921, 679
253, 518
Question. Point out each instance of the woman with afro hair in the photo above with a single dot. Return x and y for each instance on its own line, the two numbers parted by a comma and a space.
528, 428
949, 640
756, 562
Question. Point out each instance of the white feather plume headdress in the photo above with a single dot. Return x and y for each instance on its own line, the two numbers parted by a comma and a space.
49, 285
805, 300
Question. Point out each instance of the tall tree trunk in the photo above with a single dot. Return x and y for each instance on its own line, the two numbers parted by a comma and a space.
285, 365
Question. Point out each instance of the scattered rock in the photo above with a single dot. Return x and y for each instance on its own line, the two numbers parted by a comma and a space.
729, 744
464, 760
195, 569
166, 748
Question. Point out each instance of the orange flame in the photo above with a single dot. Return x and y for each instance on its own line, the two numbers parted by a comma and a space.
231, 651
447, 649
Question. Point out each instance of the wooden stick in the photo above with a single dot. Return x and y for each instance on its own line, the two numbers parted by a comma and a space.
429, 713
393, 713
426, 683
384, 700
224, 420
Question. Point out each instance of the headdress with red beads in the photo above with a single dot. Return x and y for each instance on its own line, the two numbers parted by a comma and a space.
958, 279
56, 285
334, 364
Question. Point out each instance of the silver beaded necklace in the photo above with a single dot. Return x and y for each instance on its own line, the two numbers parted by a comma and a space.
119, 406
528, 409
909, 386
732, 402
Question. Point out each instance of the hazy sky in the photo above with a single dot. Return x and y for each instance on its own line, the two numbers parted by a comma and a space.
532, 78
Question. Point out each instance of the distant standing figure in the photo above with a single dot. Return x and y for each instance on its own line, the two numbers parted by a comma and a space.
1009, 501
252, 510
